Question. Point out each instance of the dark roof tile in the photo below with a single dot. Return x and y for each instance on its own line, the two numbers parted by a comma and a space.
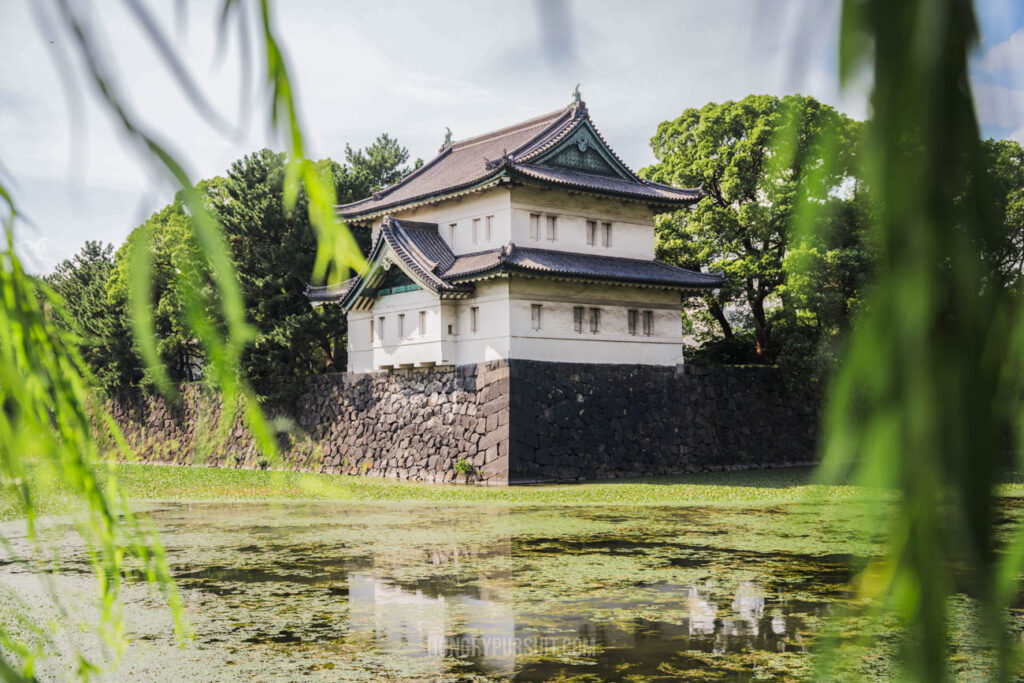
485, 158
575, 265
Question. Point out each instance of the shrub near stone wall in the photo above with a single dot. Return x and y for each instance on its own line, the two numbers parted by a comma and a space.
501, 422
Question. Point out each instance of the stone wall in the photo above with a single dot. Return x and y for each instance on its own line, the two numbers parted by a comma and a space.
600, 421
408, 424
499, 422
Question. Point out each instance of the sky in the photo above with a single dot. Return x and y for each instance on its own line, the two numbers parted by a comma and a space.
409, 69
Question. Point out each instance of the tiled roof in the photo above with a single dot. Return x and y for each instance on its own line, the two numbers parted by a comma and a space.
587, 181
460, 165
423, 251
515, 151
576, 265
328, 293
421, 248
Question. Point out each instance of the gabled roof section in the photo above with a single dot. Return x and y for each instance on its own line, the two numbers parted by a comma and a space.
414, 247
419, 251
576, 266
562, 148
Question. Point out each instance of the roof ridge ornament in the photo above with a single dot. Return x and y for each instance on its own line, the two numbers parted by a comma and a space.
447, 139
505, 159
577, 99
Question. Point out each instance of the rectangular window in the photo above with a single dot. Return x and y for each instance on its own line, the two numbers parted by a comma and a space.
474, 313
591, 232
380, 329
476, 230
577, 318
534, 226
487, 228
551, 228
401, 325
451, 234
648, 323
595, 320
372, 331
423, 323
633, 315
535, 316
606, 234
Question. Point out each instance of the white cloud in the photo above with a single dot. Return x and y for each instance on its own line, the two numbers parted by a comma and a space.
410, 69
999, 105
1007, 56
42, 255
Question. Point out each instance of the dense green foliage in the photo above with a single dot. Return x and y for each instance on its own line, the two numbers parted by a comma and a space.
741, 226
101, 326
930, 383
791, 296
273, 250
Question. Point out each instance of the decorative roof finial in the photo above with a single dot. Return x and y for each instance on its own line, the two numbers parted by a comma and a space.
447, 137
576, 97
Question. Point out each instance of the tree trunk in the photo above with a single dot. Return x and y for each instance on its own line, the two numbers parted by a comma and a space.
716, 311
761, 327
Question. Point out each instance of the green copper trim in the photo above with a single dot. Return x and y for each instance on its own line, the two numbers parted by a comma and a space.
576, 152
398, 290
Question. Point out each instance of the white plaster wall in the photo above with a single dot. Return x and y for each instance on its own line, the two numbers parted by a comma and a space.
504, 326
462, 211
557, 339
360, 350
632, 222
491, 339
416, 347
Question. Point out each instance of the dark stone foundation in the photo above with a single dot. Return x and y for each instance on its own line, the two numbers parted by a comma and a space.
500, 422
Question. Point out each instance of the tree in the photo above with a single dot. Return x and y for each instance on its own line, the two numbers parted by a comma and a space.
752, 179
1004, 165
101, 326
274, 249
377, 166
174, 255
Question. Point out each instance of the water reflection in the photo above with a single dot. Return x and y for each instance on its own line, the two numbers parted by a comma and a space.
483, 634
529, 593
412, 624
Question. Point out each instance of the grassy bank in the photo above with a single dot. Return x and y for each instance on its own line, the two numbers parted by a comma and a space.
746, 488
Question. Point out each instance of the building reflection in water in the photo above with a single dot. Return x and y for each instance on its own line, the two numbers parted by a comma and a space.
413, 624
481, 632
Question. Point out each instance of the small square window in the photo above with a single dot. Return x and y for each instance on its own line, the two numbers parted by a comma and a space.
591, 232
577, 318
423, 323
476, 230
606, 234
633, 316
474, 313
535, 316
595, 320
534, 226
648, 323
552, 226
487, 228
